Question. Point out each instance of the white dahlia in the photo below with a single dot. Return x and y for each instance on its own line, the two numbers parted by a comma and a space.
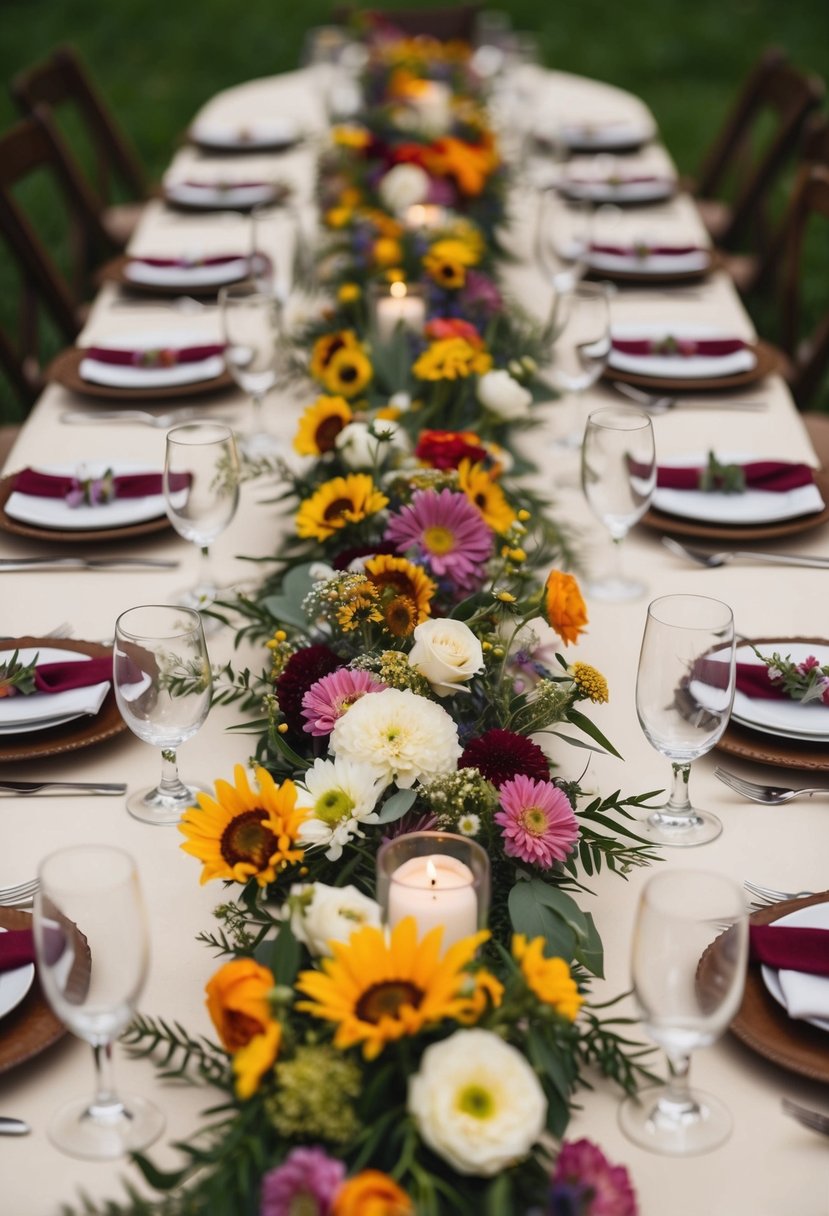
321, 914
409, 738
477, 1102
341, 794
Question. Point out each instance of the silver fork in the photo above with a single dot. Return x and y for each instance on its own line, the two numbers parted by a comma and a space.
661, 404
770, 895
768, 795
21, 894
812, 1119
711, 560
163, 421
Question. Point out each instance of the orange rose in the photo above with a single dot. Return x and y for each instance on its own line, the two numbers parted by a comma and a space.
371, 1193
565, 609
237, 1001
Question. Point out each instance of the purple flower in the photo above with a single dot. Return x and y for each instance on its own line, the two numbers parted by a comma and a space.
448, 534
537, 821
586, 1184
333, 695
480, 292
306, 1182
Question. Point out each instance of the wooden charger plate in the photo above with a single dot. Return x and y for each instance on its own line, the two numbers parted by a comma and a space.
769, 360
764, 1026
32, 1026
679, 525
81, 732
641, 278
114, 272
64, 369
65, 535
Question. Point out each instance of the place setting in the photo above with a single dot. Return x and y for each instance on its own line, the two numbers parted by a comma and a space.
272, 133
616, 135
687, 357
206, 191
196, 275
615, 184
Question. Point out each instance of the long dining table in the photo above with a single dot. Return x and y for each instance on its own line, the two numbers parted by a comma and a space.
770, 1166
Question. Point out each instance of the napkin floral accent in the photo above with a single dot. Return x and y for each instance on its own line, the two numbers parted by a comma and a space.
721, 478
805, 681
17, 677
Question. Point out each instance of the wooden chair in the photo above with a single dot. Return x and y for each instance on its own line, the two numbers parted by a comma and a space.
29, 147
61, 80
456, 21
773, 89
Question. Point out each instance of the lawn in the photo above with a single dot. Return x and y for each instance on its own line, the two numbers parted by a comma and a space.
156, 62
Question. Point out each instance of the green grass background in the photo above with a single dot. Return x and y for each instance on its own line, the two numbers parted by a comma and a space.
157, 61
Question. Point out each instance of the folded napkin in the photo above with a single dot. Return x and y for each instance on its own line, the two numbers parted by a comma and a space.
776, 476
126, 485
619, 180
221, 185
17, 949
790, 948
63, 675
154, 357
642, 251
683, 347
751, 679
190, 263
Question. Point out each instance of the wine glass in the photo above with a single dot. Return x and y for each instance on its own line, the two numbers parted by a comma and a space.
684, 693
163, 685
690, 945
561, 240
618, 476
251, 327
581, 347
278, 259
90, 936
201, 494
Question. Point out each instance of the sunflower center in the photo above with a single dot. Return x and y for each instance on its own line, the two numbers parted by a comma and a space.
327, 432
347, 373
476, 1101
338, 508
400, 616
333, 806
534, 820
247, 839
385, 1000
439, 540
480, 500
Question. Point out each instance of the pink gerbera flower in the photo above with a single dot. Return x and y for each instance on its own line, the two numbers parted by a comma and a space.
330, 697
537, 821
584, 1177
448, 533
306, 1181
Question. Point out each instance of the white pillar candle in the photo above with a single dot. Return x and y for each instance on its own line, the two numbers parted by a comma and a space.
399, 307
436, 890
424, 215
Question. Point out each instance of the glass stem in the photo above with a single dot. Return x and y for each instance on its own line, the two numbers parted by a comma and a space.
676, 1101
616, 565
204, 577
106, 1102
171, 785
258, 426
679, 802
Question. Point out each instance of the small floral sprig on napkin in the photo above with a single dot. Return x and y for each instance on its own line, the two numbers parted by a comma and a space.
91, 491
17, 677
805, 681
722, 478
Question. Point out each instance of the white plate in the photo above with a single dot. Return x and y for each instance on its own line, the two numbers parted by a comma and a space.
602, 191
186, 276
598, 136
14, 985
56, 513
41, 724
211, 196
677, 367
814, 917
262, 133
42, 708
656, 264
790, 718
750, 507
115, 375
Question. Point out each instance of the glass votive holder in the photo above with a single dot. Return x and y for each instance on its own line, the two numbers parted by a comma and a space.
439, 879
420, 217
396, 306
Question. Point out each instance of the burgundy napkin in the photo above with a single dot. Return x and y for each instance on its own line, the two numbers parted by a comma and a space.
190, 263
682, 347
126, 485
774, 475
789, 948
63, 675
159, 357
645, 251
616, 180
17, 949
220, 185
751, 679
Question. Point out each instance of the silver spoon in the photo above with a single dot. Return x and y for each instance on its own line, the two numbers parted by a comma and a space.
13, 1127
144, 417
661, 404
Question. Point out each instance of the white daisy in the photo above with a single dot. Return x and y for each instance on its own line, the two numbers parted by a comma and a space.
342, 794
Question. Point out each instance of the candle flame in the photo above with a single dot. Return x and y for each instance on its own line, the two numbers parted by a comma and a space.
431, 872
398, 290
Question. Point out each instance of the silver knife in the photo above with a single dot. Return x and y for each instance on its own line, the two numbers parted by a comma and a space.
85, 563
61, 787
13, 1127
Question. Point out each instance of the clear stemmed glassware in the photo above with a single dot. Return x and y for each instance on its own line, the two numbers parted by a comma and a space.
278, 251
684, 693
690, 945
163, 685
92, 951
252, 327
562, 258
201, 494
618, 476
581, 347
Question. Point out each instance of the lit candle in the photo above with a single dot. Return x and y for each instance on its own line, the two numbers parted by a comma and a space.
432, 101
436, 890
399, 307
424, 215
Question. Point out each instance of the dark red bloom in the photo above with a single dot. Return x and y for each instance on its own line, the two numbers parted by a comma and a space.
501, 754
446, 449
346, 556
454, 327
302, 670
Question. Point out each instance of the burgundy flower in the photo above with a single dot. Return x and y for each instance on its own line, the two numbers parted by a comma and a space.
586, 1184
302, 671
446, 449
501, 754
346, 556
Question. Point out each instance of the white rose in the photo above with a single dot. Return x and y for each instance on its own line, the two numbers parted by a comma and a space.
503, 396
364, 445
447, 653
477, 1102
321, 914
403, 186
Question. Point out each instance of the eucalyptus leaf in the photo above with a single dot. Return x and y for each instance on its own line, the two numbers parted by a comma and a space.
396, 807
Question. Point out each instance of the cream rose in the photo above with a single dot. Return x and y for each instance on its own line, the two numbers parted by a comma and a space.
321, 914
403, 186
447, 654
503, 396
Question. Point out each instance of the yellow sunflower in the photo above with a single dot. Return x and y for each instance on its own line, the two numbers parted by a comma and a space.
447, 261
320, 425
348, 372
451, 358
482, 490
405, 579
548, 978
242, 833
360, 606
386, 251
337, 503
350, 135
327, 346
378, 989
400, 616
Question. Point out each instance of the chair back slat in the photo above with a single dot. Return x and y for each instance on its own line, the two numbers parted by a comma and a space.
810, 356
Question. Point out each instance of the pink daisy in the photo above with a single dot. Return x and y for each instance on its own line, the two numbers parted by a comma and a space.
448, 533
584, 1176
306, 1181
537, 821
330, 697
